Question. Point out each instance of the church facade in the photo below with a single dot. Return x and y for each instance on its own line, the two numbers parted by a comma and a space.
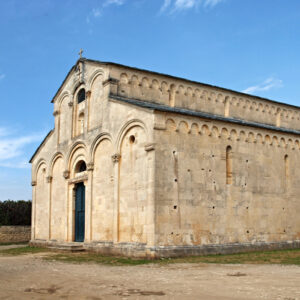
145, 164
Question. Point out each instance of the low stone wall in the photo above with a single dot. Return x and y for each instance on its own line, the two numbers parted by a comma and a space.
15, 234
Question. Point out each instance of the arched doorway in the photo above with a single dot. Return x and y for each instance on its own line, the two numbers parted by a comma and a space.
79, 212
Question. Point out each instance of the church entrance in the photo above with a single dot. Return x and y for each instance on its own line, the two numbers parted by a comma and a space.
79, 212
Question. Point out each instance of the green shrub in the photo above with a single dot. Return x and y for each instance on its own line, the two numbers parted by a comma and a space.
15, 213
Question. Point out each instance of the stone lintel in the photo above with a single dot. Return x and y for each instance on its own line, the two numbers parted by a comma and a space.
78, 179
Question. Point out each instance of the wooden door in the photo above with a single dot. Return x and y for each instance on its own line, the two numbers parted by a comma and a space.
79, 212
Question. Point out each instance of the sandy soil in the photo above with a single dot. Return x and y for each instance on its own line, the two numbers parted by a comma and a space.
30, 277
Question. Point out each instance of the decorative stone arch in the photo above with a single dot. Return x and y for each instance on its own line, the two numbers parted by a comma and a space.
76, 129
77, 87
96, 73
54, 158
205, 130
227, 101
97, 141
124, 78
134, 80
215, 132
170, 124
183, 127
233, 135
40, 162
61, 98
126, 127
73, 159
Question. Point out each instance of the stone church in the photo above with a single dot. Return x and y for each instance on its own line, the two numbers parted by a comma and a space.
150, 165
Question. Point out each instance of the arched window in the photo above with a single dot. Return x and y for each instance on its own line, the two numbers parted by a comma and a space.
229, 165
80, 167
80, 128
81, 96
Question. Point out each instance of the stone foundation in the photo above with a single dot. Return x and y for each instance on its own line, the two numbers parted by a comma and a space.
15, 234
142, 251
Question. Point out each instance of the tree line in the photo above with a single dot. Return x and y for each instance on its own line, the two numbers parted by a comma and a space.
13, 213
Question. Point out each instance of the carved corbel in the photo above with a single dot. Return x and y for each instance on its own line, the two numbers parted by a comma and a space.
55, 113
90, 166
88, 93
66, 174
110, 81
33, 183
113, 85
116, 158
49, 179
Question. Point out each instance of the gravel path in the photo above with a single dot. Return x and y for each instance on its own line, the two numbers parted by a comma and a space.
31, 277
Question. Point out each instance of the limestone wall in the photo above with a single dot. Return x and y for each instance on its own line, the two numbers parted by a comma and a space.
133, 187
182, 93
14, 234
196, 204
103, 192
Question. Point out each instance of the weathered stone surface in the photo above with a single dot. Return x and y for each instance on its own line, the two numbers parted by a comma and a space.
15, 234
174, 167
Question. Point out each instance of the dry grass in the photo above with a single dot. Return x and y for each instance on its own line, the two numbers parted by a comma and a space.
286, 257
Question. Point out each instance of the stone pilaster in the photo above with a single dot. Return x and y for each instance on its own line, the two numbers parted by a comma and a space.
150, 219
89, 203
33, 210
49, 181
116, 160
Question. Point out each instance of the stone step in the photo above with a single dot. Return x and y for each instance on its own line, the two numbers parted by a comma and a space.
68, 247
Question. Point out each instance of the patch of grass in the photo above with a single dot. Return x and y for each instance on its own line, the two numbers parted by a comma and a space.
22, 250
85, 257
285, 257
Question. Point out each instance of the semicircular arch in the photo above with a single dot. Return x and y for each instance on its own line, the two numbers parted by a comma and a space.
97, 141
126, 127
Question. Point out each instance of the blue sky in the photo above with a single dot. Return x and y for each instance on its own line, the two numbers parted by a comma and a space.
245, 45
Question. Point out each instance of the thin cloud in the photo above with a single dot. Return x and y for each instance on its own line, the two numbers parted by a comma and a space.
267, 85
212, 3
181, 5
12, 148
98, 11
116, 2
165, 5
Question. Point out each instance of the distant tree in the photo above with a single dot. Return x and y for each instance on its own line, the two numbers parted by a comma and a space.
15, 213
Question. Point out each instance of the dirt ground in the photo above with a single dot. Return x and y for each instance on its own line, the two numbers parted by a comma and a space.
31, 277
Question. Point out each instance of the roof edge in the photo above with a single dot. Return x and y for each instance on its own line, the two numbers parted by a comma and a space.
40, 146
